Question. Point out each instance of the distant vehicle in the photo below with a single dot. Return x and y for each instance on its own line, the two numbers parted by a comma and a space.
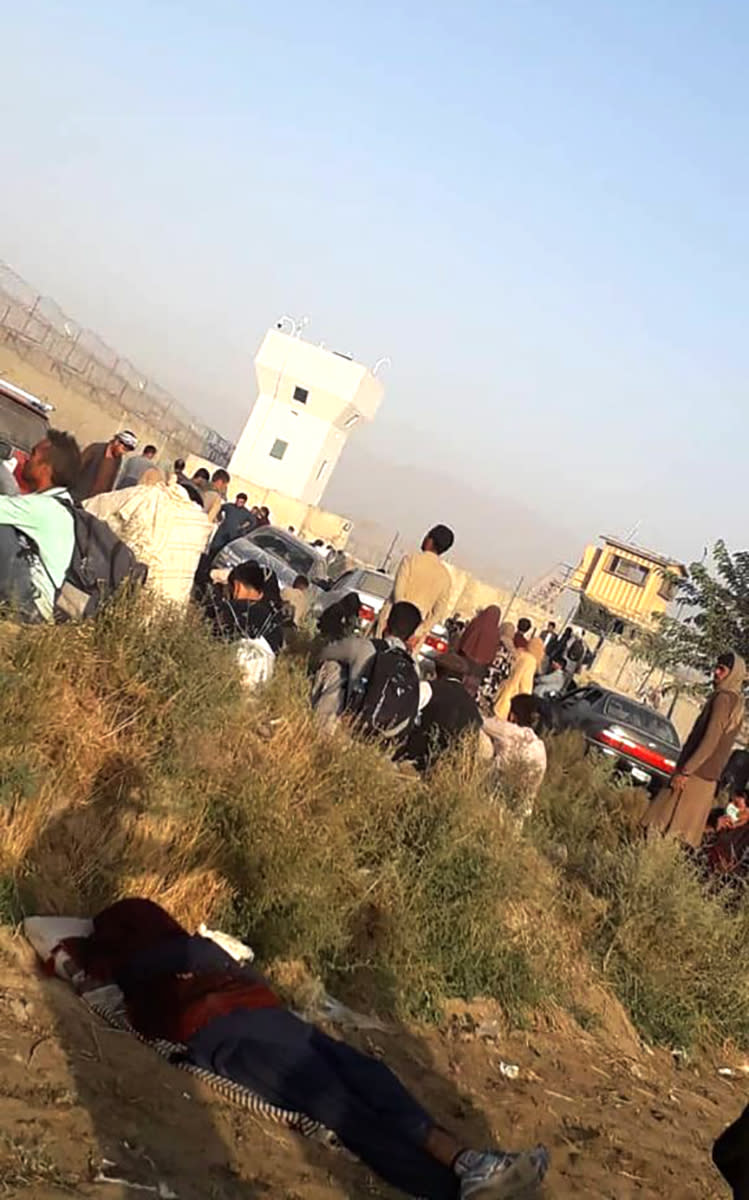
24, 421
373, 589
283, 552
643, 741
436, 642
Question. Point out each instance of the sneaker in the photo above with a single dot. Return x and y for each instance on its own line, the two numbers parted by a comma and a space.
495, 1175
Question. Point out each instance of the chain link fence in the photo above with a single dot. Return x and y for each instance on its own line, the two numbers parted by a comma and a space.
34, 323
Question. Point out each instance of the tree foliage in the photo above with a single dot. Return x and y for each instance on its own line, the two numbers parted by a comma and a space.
713, 604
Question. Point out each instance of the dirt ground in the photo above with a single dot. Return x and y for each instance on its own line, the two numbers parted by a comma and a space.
78, 1098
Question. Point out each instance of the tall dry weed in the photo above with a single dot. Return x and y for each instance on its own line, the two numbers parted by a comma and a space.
668, 940
133, 762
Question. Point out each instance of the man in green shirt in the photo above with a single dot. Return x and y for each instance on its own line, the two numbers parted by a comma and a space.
36, 529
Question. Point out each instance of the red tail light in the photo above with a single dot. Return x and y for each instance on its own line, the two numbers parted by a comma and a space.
366, 613
438, 644
619, 740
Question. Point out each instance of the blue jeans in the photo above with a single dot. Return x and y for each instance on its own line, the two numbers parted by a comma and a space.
16, 588
291, 1063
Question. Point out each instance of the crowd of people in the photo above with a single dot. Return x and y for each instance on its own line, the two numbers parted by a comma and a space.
371, 679
490, 687
493, 685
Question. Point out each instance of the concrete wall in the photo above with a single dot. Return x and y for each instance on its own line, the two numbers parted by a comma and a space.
470, 595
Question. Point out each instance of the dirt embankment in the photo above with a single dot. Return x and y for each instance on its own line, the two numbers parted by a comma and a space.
77, 1098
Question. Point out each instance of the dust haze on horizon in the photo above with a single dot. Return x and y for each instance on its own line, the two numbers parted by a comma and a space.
537, 212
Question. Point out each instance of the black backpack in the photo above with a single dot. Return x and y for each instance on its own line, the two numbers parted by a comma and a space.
389, 693
100, 564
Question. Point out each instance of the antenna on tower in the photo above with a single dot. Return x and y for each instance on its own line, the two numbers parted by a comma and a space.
291, 325
381, 362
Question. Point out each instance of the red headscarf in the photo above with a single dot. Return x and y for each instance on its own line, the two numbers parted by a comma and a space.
480, 638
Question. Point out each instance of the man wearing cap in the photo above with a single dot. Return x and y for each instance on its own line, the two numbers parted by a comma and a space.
424, 581
450, 712
100, 464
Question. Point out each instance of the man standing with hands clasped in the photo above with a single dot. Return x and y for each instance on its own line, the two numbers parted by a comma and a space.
424, 581
683, 807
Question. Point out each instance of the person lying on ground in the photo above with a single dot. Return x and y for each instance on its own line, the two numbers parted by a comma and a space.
186, 989
518, 748
297, 597
340, 619
553, 682
36, 529
248, 606
348, 678
450, 712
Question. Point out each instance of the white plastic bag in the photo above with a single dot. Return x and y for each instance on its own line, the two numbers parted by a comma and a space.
256, 661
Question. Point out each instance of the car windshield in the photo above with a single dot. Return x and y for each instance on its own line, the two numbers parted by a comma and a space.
377, 585
651, 723
302, 561
19, 425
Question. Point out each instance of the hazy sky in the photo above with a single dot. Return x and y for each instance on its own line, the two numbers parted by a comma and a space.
539, 211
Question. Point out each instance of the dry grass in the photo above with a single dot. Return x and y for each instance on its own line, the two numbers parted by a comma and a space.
670, 944
133, 762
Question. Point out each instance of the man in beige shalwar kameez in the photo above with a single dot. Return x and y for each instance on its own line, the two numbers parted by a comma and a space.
682, 808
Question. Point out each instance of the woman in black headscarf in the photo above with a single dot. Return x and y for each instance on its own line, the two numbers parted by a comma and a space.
249, 607
341, 618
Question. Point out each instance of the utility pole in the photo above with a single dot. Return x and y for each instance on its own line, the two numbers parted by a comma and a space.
513, 597
386, 561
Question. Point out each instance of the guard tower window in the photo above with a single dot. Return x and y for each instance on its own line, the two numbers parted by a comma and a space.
300, 395
278, 449
630, 571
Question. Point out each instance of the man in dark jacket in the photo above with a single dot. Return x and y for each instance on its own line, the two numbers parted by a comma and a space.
449, 713
100, 464
235, 521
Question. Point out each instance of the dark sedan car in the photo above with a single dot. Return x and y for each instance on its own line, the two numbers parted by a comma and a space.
643, 742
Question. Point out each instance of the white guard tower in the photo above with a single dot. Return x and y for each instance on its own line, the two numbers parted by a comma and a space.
309, 401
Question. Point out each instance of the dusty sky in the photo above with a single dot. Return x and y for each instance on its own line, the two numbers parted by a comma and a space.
537, 210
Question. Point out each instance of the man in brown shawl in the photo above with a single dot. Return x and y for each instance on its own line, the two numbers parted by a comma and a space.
682, 808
